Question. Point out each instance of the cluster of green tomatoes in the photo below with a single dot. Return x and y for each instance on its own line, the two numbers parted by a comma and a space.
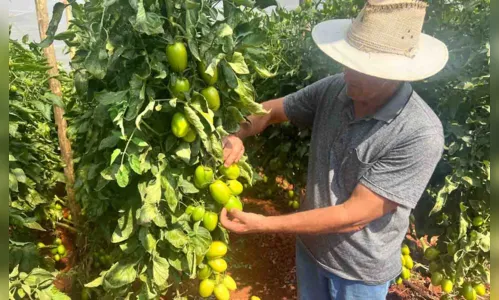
57, 249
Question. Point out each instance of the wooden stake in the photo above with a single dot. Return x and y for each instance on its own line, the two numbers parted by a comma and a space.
55, 87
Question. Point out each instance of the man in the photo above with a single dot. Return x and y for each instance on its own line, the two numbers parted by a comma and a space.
375, 144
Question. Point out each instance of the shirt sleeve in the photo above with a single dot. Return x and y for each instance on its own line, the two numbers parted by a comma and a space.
300, 107
404, 172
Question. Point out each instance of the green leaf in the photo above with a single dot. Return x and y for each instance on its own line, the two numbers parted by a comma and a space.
115, 155
177, 238
145, 113
245, 91
135, 163
168, 183
184, 152
120, 274
19, 173
95, 64
153, 192
232, 119
44, 109
13, 185
122, 176
147, 22
187, 187
263, 72
95, 283
137, 96
38, 276
139, 142
265, 3
57, 12
195, 121
56, 100
210, 70
147, 239
484, 242
124, 228
33, 225
201, 240
246, 171
238, 64
129, 245
160, 269
223, 31
147, 213
108, 98
229, 75
110, 141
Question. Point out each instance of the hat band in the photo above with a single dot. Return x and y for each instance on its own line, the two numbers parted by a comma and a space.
388, 28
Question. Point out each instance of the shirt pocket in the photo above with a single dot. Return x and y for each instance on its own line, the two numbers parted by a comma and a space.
351, 170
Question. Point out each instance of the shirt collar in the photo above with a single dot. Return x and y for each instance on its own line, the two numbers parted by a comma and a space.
387, 112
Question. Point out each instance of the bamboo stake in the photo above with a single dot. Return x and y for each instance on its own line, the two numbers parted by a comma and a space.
55, 87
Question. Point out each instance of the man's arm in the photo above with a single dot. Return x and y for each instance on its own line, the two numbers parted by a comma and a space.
360, 209
233, 145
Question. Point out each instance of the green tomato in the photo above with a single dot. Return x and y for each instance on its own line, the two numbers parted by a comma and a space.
436, 278
189, 209
210, 80
217, 249
203, 176
58, 241
206, 288
447, 285
230, 283
58, 206
406, 273
218, 264
291, 193
220, 192
290, 203
405, 249
61, 249
177, 56
53, 250
399, 280
409, 263
180, 125
431, 253
190, 136
477, 221
233, 203
13, 88
198, 213
57, 257
181, 85
231, 172
480, 289
221, 292
296, 205
212, 97
402, 259
204, 273
235, 187
468, 292
40, 245
434, 266
210, 220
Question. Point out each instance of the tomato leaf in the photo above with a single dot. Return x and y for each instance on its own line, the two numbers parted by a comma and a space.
147, 213
147, 240
95, 283
110, 141
124, 228
137, 97
120, 274
245, 91
145, 113
135, 163
57, 12
96, 63
122, 177
184, 152
229, 75
108, 98
177, 238
153, 192
238, 64
114, 155
160, 269
168, 184
201, 240
223, 31
147, 22
186, 186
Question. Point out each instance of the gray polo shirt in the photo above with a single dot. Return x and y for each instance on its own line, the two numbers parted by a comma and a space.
393, 153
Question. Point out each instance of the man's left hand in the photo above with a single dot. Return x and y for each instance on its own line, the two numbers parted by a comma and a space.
241, 222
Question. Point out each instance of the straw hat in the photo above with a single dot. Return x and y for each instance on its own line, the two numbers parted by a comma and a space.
385, 41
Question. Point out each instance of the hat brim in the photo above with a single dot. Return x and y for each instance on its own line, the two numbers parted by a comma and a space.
430, 58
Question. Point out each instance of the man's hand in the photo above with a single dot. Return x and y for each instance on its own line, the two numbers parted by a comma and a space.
241, 222
233, 150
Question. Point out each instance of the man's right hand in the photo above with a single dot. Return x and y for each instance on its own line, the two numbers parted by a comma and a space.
233, 150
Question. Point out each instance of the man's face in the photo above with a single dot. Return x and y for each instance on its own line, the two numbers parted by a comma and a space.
362, 87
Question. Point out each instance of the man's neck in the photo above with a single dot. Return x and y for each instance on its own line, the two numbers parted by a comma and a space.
371, 106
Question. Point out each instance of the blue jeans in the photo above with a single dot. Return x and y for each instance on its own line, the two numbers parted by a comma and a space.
315, 283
